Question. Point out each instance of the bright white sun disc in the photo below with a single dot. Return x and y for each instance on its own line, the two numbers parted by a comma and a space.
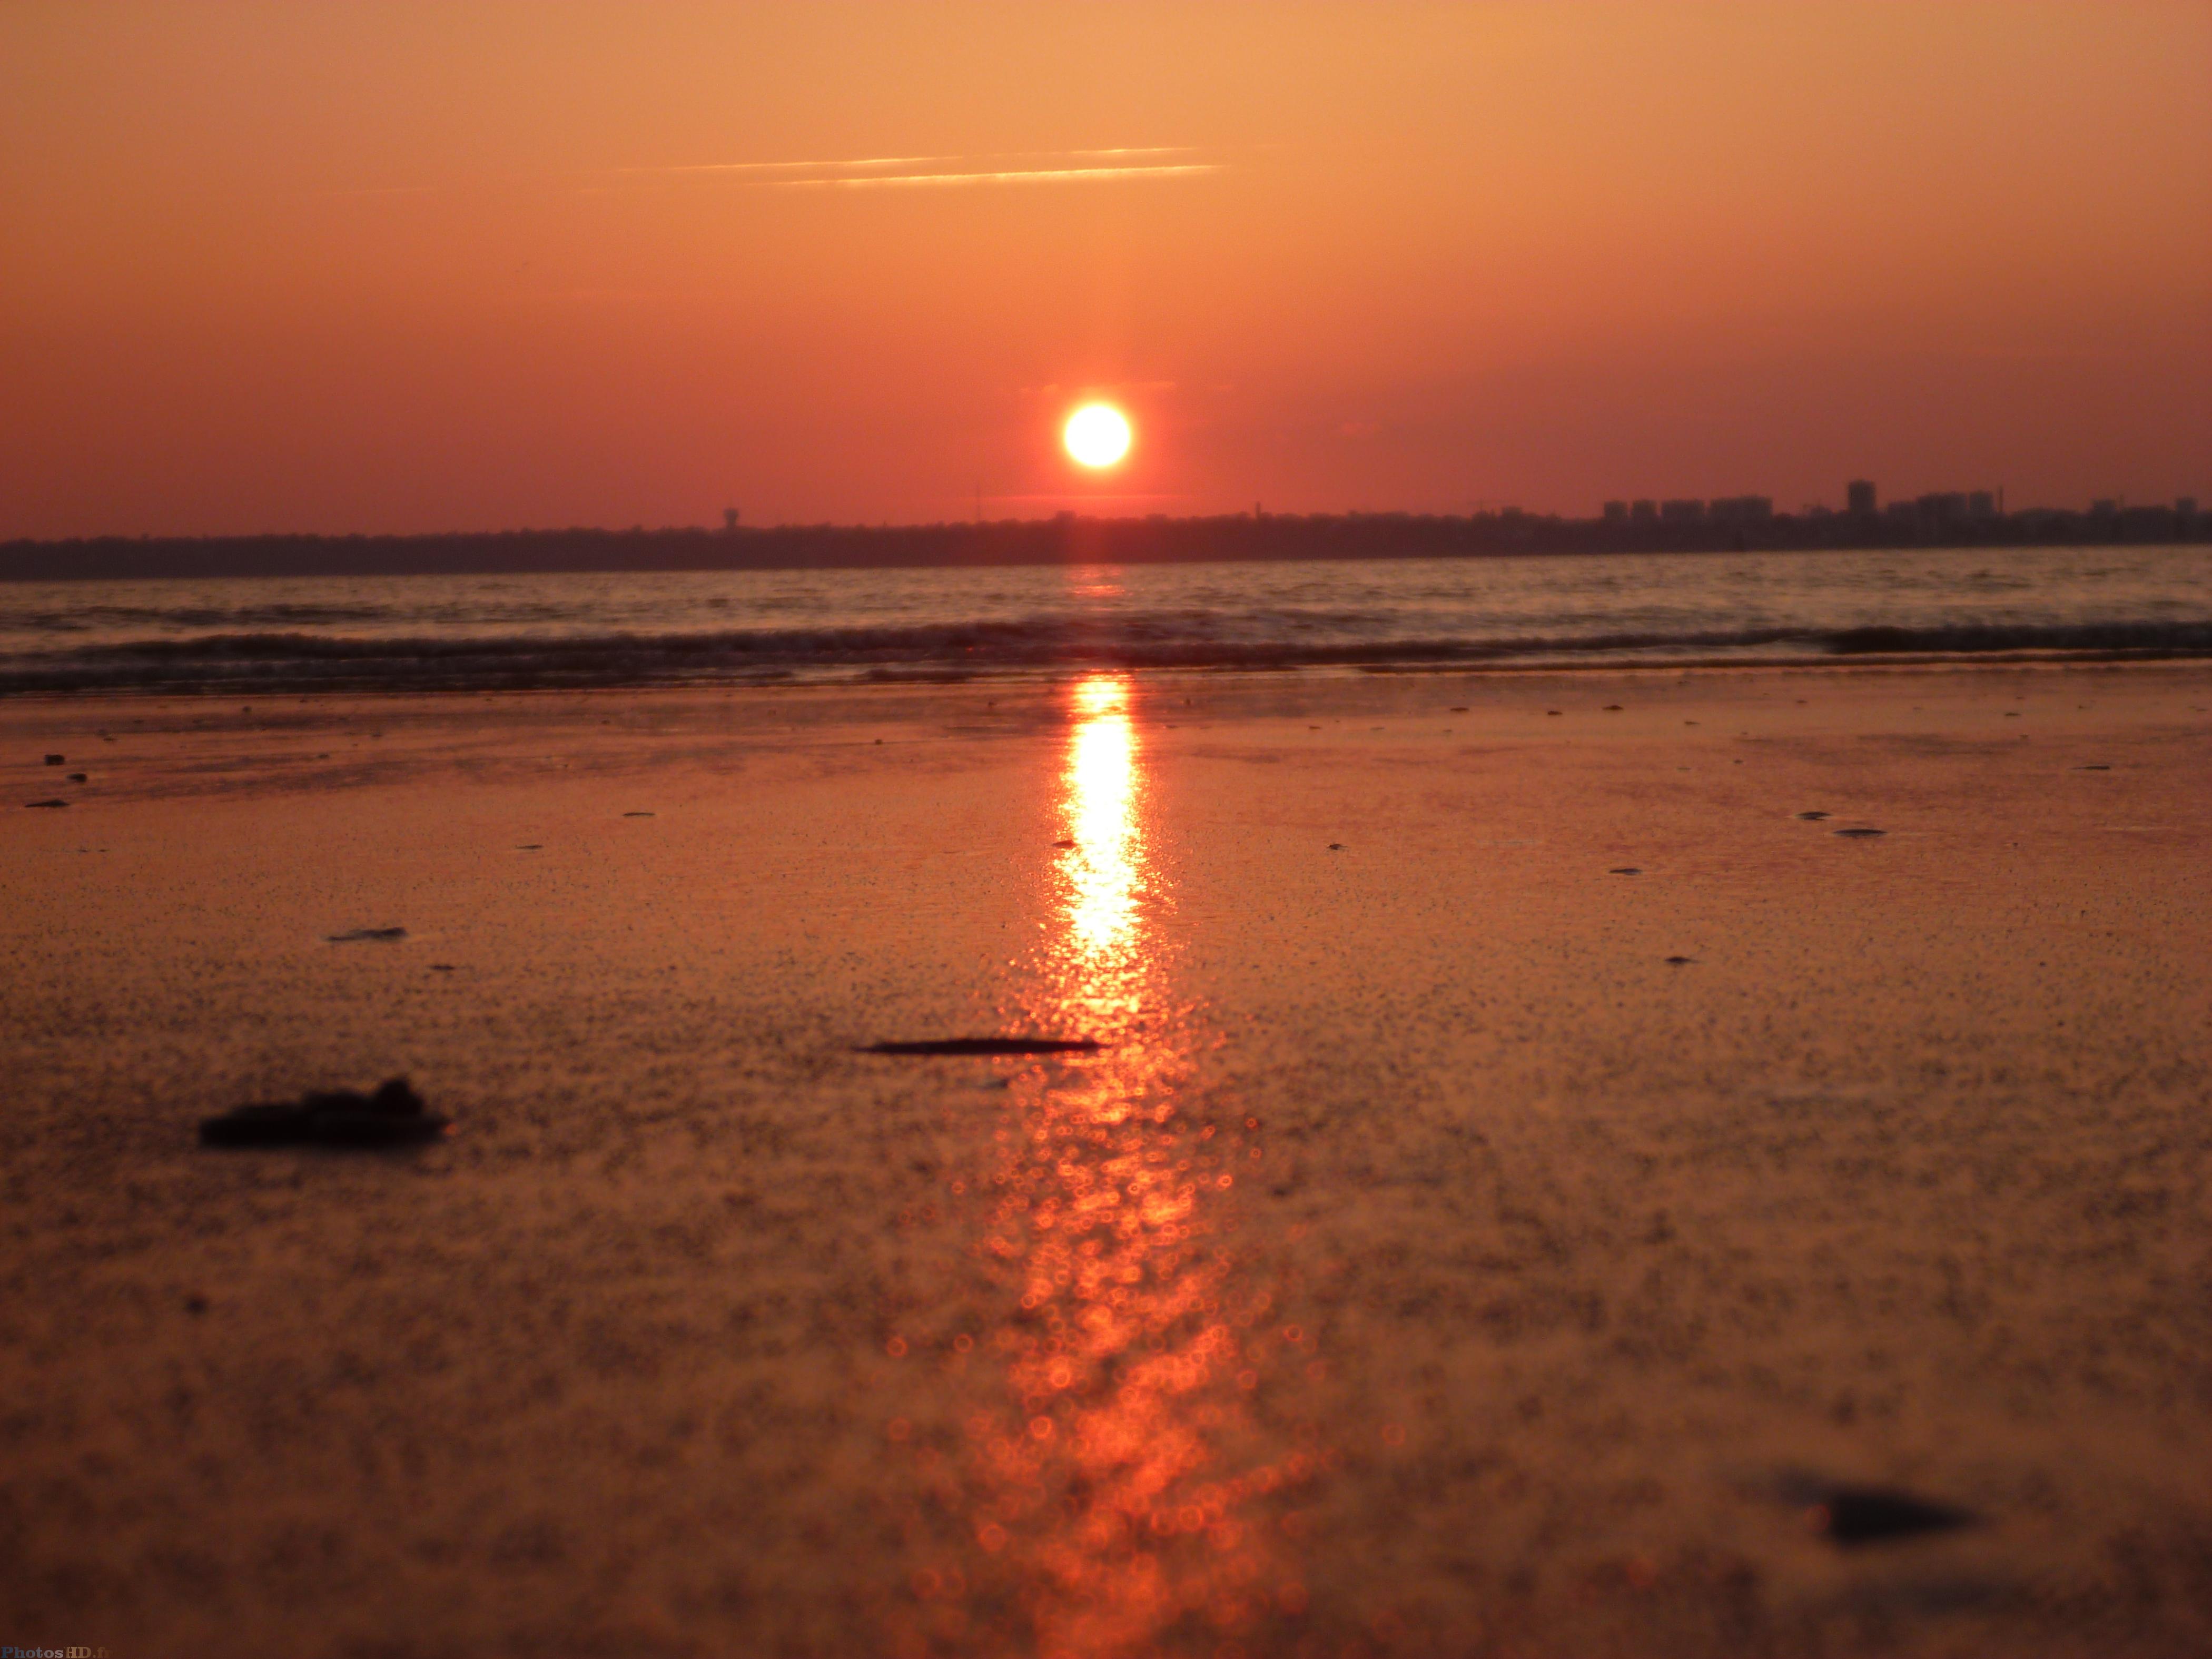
1097, 434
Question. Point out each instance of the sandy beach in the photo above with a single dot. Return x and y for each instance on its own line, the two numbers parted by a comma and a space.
1527, 1155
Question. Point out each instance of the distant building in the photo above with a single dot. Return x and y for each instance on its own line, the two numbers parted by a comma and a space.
2186, 506
1902, 511
1858, 498
1684, 512
1742, 509
1643, 512
1981, 504
1616, 512
2104, 507
1942, 507
729, 518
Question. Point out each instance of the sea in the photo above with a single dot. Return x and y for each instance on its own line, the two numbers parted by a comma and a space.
478, 633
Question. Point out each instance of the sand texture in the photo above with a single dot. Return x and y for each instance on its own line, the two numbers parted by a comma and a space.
1427, 1263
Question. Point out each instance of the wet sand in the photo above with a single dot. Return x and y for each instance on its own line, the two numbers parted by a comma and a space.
1428, 1263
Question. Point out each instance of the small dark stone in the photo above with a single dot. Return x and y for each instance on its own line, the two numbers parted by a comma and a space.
1625, 870
55, 760
1459, 709
637, 815
988, 1046
1613, 708
1812, 818
384, 934
394, 1116
1336, 846
1680, 961
1862, 834
2093, 768
1063, 845
85, 777
195, 1303
531, 847
45, 803
1552, 711
442, 967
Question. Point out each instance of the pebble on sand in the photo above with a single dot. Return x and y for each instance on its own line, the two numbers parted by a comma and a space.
1680, 961
1625, 870
1812, 818
55, 760
1336, 846
394, 1116
45, 803
85, 777
1862, 834
387, 934
1063, 844
637, 815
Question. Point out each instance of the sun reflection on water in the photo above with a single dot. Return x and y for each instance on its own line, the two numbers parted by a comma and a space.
1122, 1495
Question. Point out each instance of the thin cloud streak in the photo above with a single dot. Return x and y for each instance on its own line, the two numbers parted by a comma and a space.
861, 163
786, 167
1017, 176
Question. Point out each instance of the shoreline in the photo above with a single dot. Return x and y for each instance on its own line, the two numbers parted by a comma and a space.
1030, 676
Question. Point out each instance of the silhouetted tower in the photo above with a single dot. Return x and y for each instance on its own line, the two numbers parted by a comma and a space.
1858, 496
729, 519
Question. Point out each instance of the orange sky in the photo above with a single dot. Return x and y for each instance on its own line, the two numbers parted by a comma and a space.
464, 266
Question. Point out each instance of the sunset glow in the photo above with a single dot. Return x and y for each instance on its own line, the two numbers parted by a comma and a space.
468, 267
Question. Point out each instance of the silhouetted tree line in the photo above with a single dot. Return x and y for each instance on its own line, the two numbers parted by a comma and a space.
1069, 538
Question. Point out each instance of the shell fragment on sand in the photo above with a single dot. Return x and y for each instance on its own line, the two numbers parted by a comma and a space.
394, 1116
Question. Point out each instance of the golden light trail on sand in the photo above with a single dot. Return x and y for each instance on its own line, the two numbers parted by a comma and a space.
1102, 867
1122, 1498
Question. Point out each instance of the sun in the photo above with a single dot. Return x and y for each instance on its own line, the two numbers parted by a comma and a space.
1097, 434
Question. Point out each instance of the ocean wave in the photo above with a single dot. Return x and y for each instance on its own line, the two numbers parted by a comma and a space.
271, 660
